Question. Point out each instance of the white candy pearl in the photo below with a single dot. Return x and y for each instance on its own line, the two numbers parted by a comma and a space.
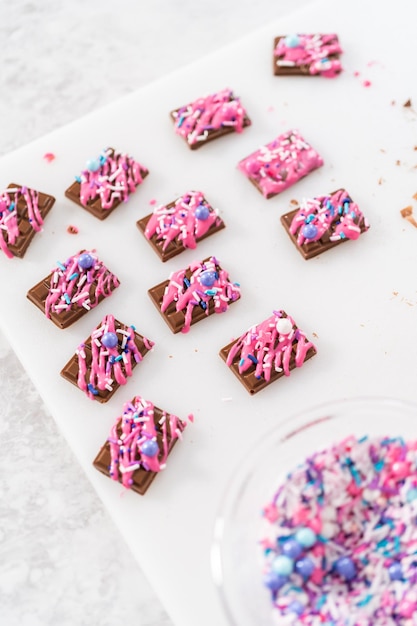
284, 326
329, 530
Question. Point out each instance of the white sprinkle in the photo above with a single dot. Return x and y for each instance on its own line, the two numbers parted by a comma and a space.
82, 280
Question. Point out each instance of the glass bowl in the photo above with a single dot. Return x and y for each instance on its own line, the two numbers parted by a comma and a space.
236, 554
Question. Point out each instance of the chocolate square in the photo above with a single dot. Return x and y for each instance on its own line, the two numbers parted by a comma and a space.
186, 281
107, 164
222, 113
278, 165
102, 284
307, 55
327, 241
141, 477
71, 370
181, 213
26, 230
257, 335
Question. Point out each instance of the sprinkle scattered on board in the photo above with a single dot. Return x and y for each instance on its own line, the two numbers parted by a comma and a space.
72, 230
49, 157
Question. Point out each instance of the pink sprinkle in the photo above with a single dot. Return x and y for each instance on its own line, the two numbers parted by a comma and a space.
270, 109
49, 156
356, 73
152, 201
366, 83
190, 417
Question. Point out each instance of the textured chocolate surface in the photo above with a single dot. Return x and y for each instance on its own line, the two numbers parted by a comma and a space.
38, 294
175, 319
297, 70
314, 248
26, 232
176, 246
70, 370
213, 133
141, 477
94, 206
248, 379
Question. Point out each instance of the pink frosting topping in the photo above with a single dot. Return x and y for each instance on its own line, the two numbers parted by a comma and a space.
316, 52
269, 346
212, 112
335, 214
108, 363
9, 218
281, 163
112, 177
187, 220
138, 440
72, 285
208, 287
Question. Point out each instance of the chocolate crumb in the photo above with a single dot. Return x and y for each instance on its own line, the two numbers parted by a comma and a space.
72, 230
407, 103
407, 213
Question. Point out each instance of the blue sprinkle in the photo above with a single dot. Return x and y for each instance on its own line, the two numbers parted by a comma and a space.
379, 465
92, 390
309, 218
365, 600
210, 292
61, 266
411, 494
397, 544
352, 214
241, 362
321, 601
236, 284
362, 439
253, 358
340, 210
342, 235
181, 121
203, 305
74, 275
132, 327
78, 179
186, 282
67, 298
12, 206
119, 358
382, 543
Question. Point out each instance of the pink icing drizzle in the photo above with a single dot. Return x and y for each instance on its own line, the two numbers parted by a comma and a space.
106, 363
280, 163
266, 348
212, 112
115, 179
312, 51
70, 285
138, 425
9, 218
180, 221
335, 213
188, 293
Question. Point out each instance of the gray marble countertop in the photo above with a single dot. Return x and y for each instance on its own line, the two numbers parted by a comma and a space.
62, 561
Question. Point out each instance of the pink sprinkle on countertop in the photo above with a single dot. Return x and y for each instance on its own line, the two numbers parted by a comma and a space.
49, 157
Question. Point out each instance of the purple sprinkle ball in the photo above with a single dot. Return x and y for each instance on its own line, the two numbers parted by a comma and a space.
347, 516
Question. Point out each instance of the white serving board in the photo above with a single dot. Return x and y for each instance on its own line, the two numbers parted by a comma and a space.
359, 299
